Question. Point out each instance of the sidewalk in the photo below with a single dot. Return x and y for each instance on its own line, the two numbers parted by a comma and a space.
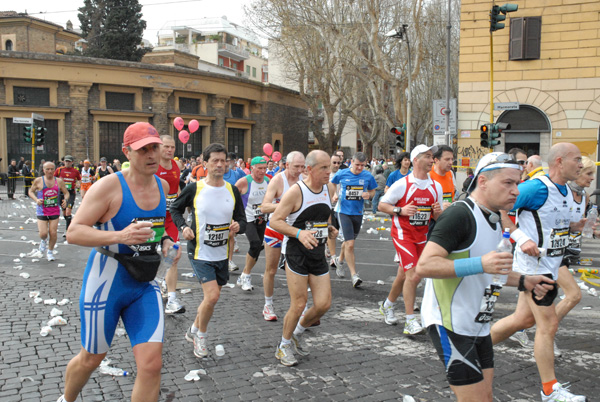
354, 355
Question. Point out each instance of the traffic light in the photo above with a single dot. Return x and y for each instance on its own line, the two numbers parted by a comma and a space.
40, 134
484, 135
498, 13
400, 133
27, 131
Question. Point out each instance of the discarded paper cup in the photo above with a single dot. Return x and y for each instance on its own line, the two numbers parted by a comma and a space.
219, 350
184, 291
38, 300
55, 312
45, 331
57, 321
24, 275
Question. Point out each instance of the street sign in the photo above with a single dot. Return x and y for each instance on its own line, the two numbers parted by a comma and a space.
439, 140
439, 118
506, 106
36, 116
22, 120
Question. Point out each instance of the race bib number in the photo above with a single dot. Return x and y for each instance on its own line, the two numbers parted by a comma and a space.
85, 179
321, 229
216, 235
559, 240
575, 240
257, 212
447, 197
68, 185
354, 193
51, 201
490, 296
170, 200
158, 230
421, 217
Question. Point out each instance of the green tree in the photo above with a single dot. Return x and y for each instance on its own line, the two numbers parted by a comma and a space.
113, 29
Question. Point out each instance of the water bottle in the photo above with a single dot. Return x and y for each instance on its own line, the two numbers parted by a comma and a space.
113, 371
588, 229
503, 247
167, 261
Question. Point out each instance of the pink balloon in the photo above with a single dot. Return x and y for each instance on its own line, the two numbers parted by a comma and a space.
193, 126
178, 123
268, 149
276, 156
184, 136
265, 157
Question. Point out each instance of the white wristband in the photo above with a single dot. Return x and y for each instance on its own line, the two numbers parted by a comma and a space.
519, 237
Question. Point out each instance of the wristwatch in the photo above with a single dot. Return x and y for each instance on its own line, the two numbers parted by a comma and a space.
183, 227
397, 210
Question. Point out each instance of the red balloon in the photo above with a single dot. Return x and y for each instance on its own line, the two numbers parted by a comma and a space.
276, 156
184, 136
193, 126
178, 123
265, 157
268, 149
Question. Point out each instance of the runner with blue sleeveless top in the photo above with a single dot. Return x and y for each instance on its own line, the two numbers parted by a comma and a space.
123, 217
45, 191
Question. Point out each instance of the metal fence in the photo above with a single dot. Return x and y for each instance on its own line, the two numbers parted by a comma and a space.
14, 186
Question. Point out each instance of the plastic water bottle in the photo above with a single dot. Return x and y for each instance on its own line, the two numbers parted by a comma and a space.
113, 371
588, 229
503, 247
167, 261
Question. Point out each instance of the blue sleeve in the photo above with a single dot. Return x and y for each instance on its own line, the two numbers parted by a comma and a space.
391, 178
336, 177
532, 195
372, 183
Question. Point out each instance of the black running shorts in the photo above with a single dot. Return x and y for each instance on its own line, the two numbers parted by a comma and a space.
304, 265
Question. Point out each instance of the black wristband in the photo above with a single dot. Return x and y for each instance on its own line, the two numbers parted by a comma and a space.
162, 239
521, 286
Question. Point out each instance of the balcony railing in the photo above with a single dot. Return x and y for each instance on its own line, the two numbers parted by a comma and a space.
233, 52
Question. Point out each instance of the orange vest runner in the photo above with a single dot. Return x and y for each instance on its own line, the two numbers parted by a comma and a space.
447, 183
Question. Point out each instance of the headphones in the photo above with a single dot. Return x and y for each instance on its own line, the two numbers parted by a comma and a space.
493, 218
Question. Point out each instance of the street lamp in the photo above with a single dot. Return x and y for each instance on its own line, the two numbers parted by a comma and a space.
403, 36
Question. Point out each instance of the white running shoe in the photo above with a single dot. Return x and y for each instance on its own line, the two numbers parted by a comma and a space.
247, 283
356, 281
239, 281
561, 393
50, 255
200, 349
298, 347
36, 254
388, 314
236, 248
269, 313
174, 307
164, 293
285, 355
233, 266
413, 327
339, 268
521, 337
43, 245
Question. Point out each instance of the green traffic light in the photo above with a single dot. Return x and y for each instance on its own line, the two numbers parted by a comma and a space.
498, 13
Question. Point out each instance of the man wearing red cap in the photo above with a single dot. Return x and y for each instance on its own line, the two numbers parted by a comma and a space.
72, 179
123, 217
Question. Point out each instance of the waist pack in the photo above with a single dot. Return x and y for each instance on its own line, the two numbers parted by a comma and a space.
141, 267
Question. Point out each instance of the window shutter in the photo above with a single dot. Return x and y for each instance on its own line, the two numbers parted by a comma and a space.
533, 33
515, 48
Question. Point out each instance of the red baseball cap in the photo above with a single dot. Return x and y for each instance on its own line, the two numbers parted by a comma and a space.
139, 135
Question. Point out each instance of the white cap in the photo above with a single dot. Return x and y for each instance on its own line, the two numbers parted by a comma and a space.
421, 149
491, 161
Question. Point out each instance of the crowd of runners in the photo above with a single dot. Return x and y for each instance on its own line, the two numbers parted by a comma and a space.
296, 215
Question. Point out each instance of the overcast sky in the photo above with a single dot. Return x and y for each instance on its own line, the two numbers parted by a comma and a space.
155, 12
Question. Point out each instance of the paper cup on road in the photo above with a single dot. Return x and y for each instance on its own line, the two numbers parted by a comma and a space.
220, 350
57, 321
34, 293
50, 301
55, 312
63, 302
45, 331
24, 275
184, 291
38, 300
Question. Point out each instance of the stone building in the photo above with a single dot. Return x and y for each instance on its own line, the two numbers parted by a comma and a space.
546, 61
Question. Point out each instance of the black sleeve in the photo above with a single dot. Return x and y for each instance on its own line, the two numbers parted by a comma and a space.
455, 229
239, 215
185, 199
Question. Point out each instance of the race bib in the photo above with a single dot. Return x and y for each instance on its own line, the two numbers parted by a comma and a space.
170, 200
447, 197
257, 212
51, 201
321, 228
490, 296
216, 235
354, 193
559, 240
85, 179
575, 240
158, 230
68, 185
421, 217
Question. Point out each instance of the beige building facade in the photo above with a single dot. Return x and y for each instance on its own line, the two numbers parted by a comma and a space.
546, 61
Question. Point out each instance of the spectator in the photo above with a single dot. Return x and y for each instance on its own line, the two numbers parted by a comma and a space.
116, 165
468, 180
13, 172
402, 170
380, 179
27, 177
21, 163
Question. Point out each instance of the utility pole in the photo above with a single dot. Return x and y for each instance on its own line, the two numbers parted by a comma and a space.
447, 110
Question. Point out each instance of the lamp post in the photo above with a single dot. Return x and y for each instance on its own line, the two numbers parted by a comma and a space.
403, 36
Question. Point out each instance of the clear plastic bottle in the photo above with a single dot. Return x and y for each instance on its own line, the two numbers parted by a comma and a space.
588, 229
503, 247
167, 261
114, 371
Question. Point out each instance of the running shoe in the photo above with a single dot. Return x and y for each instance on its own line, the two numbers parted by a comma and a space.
561, 393
50, 255
388, 314
299, 348
285, 355
332, 261
189, 336
43, 245
36, 254
412, 327
233, 266
239, 281
327, 253
557, 351
339, 268
174, 307
247, 283
521, 337
356, 281
163, 290
269, 313
200, 349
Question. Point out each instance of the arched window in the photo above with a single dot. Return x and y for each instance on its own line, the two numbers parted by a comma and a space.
528, 124
8, 45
